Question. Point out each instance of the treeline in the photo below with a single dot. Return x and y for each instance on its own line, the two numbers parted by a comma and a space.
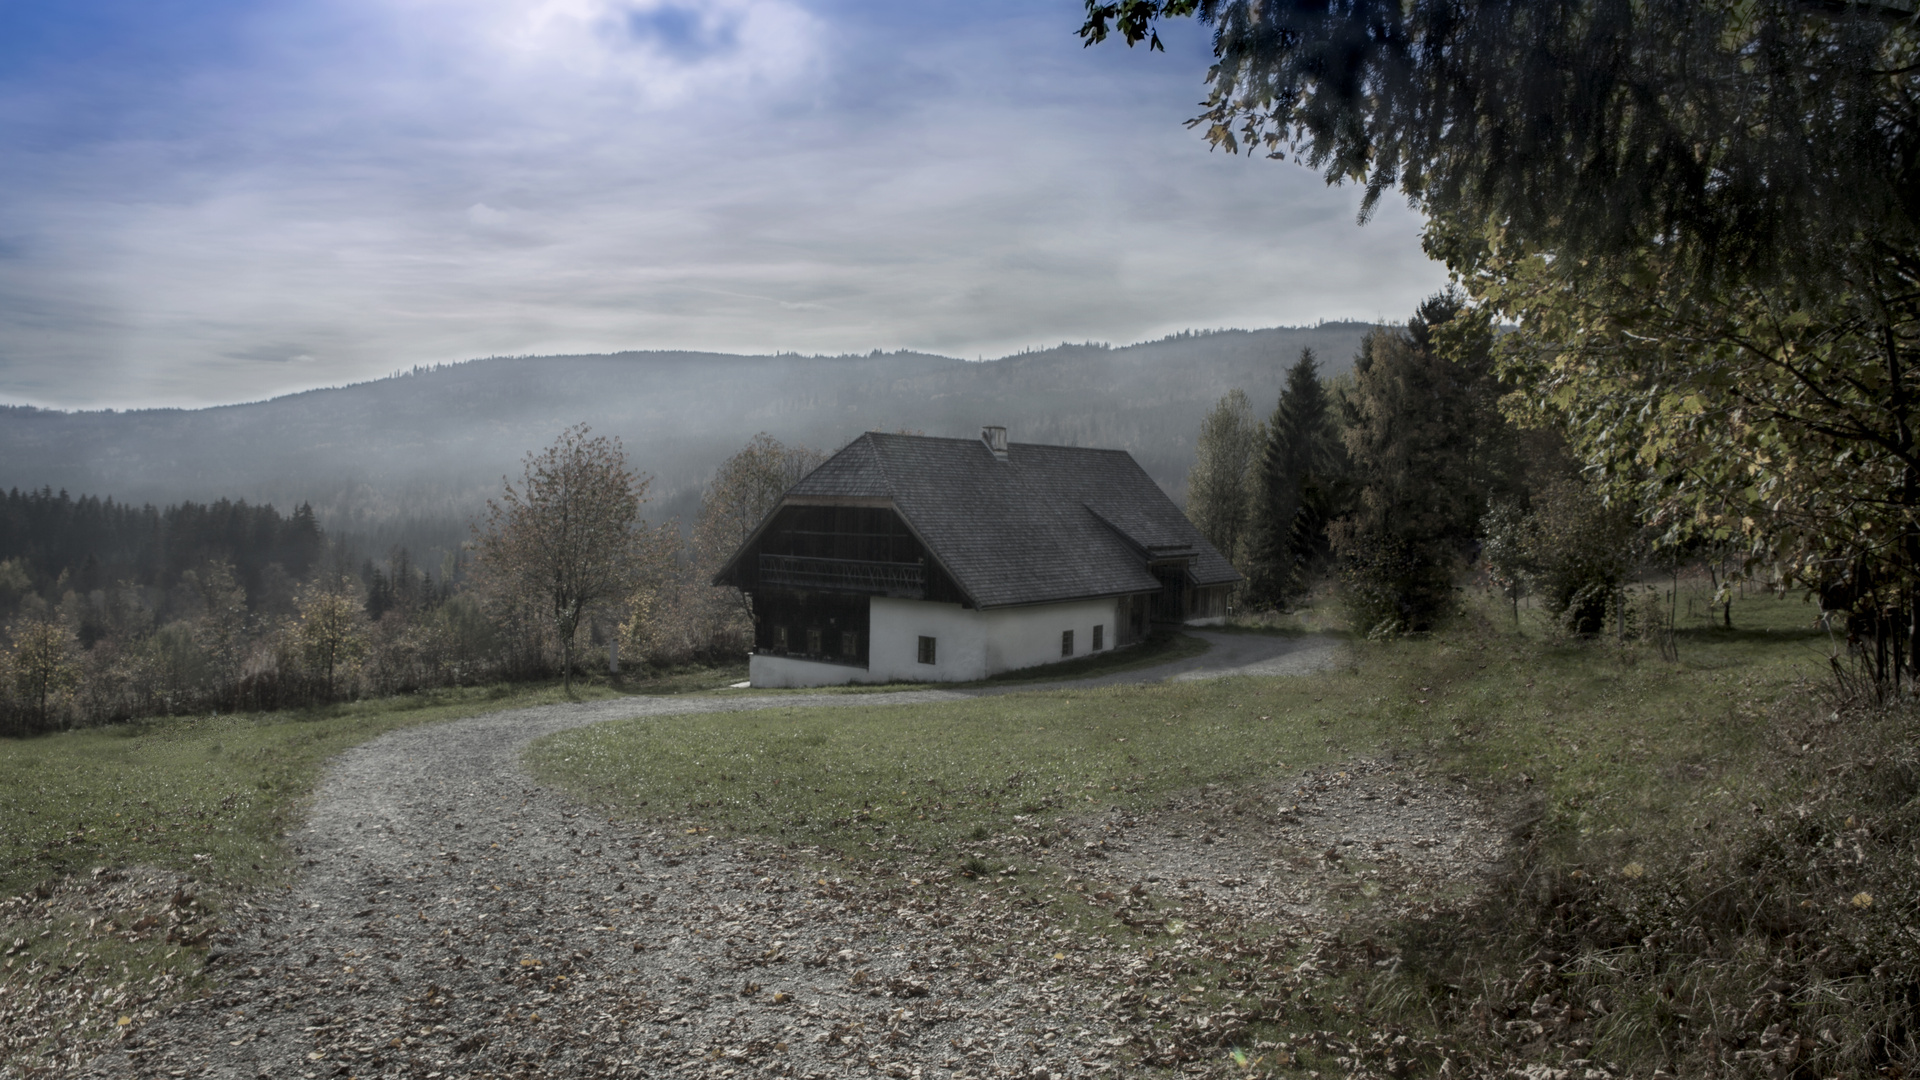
110, 612
433, 444
1398, 481
52, 543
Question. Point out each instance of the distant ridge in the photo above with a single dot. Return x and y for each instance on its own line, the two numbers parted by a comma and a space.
434, 441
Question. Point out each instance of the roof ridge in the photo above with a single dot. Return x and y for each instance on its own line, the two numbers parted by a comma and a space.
1010, 442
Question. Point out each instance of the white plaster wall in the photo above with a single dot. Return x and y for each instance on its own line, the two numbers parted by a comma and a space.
894, 629
975, 644
969, 645
1025, 636
773, 672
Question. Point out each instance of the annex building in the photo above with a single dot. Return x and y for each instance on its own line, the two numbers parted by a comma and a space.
909, 558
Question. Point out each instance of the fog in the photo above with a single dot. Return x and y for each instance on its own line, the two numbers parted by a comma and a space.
410, 458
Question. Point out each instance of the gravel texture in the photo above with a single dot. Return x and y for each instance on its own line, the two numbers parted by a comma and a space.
1291, 852
453, 919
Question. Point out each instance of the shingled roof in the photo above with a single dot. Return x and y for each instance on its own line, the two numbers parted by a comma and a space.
1048, 523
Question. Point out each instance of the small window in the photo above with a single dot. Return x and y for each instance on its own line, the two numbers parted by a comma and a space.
1066, 643
849, 644
926, 650
813, 641
1099, 637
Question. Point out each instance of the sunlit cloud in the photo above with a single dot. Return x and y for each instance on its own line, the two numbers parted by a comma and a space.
347, 188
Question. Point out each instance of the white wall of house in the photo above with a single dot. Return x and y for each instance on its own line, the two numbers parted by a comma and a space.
776, 672
968, 644
1023, 637
894, 629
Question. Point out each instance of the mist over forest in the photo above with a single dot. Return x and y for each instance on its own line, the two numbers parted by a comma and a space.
408, 459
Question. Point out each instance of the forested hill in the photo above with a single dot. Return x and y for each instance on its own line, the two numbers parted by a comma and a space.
433, 442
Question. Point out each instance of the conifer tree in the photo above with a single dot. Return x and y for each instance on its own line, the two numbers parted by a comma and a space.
1429, 453
1297, 487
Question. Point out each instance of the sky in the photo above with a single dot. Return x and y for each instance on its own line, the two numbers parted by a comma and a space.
212, 201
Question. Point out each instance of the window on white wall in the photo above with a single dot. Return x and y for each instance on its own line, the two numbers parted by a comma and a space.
1099, 637
1066, 643
926, 650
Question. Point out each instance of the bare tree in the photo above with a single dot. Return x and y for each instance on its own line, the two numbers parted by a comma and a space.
570, 536
742, 492
1221, 480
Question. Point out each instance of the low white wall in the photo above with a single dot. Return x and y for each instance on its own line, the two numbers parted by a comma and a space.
1024, 637
968, 645
894, 629
975, 644
775, 672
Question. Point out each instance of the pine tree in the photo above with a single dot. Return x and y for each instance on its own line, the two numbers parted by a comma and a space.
1298, 482
1429, 453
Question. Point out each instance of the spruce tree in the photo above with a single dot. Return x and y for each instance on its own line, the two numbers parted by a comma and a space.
1429, 452
1299, 474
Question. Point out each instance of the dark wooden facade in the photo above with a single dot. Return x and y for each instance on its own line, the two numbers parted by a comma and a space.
812, 570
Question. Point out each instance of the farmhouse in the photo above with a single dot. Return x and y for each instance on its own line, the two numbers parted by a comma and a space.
904, 557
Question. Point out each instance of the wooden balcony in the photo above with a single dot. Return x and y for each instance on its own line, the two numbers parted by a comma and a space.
904, 580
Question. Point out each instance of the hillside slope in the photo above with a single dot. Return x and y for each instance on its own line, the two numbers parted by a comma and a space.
434, 442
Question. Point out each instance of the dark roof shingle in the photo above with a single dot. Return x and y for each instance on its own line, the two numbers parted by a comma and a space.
1049, 523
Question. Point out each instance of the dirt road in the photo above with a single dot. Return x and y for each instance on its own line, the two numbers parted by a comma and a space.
453, 919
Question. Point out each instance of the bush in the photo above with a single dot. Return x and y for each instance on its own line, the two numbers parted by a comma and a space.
1580, 550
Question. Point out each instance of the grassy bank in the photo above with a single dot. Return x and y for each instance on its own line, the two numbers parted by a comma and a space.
1675, 898
206, 795
1573, 719
122, 847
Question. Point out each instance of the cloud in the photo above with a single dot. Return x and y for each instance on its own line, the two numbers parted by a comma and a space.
663, 53
273, 354
378, 183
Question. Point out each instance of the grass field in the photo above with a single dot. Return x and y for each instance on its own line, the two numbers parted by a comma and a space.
1644, 797
206, 795
187, 814
1712, 859
1582, 722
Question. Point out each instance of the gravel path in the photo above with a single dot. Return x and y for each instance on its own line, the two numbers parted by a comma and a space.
454, 919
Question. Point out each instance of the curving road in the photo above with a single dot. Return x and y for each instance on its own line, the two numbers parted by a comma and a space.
453, 919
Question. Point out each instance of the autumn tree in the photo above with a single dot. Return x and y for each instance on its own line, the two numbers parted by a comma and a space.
330, 630
569, 537
1581, 549
682, 615
743, 491
1703, 217
1219, 484
219, 627
43, 667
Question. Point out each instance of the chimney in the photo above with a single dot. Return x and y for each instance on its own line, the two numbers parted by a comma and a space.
996, 439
